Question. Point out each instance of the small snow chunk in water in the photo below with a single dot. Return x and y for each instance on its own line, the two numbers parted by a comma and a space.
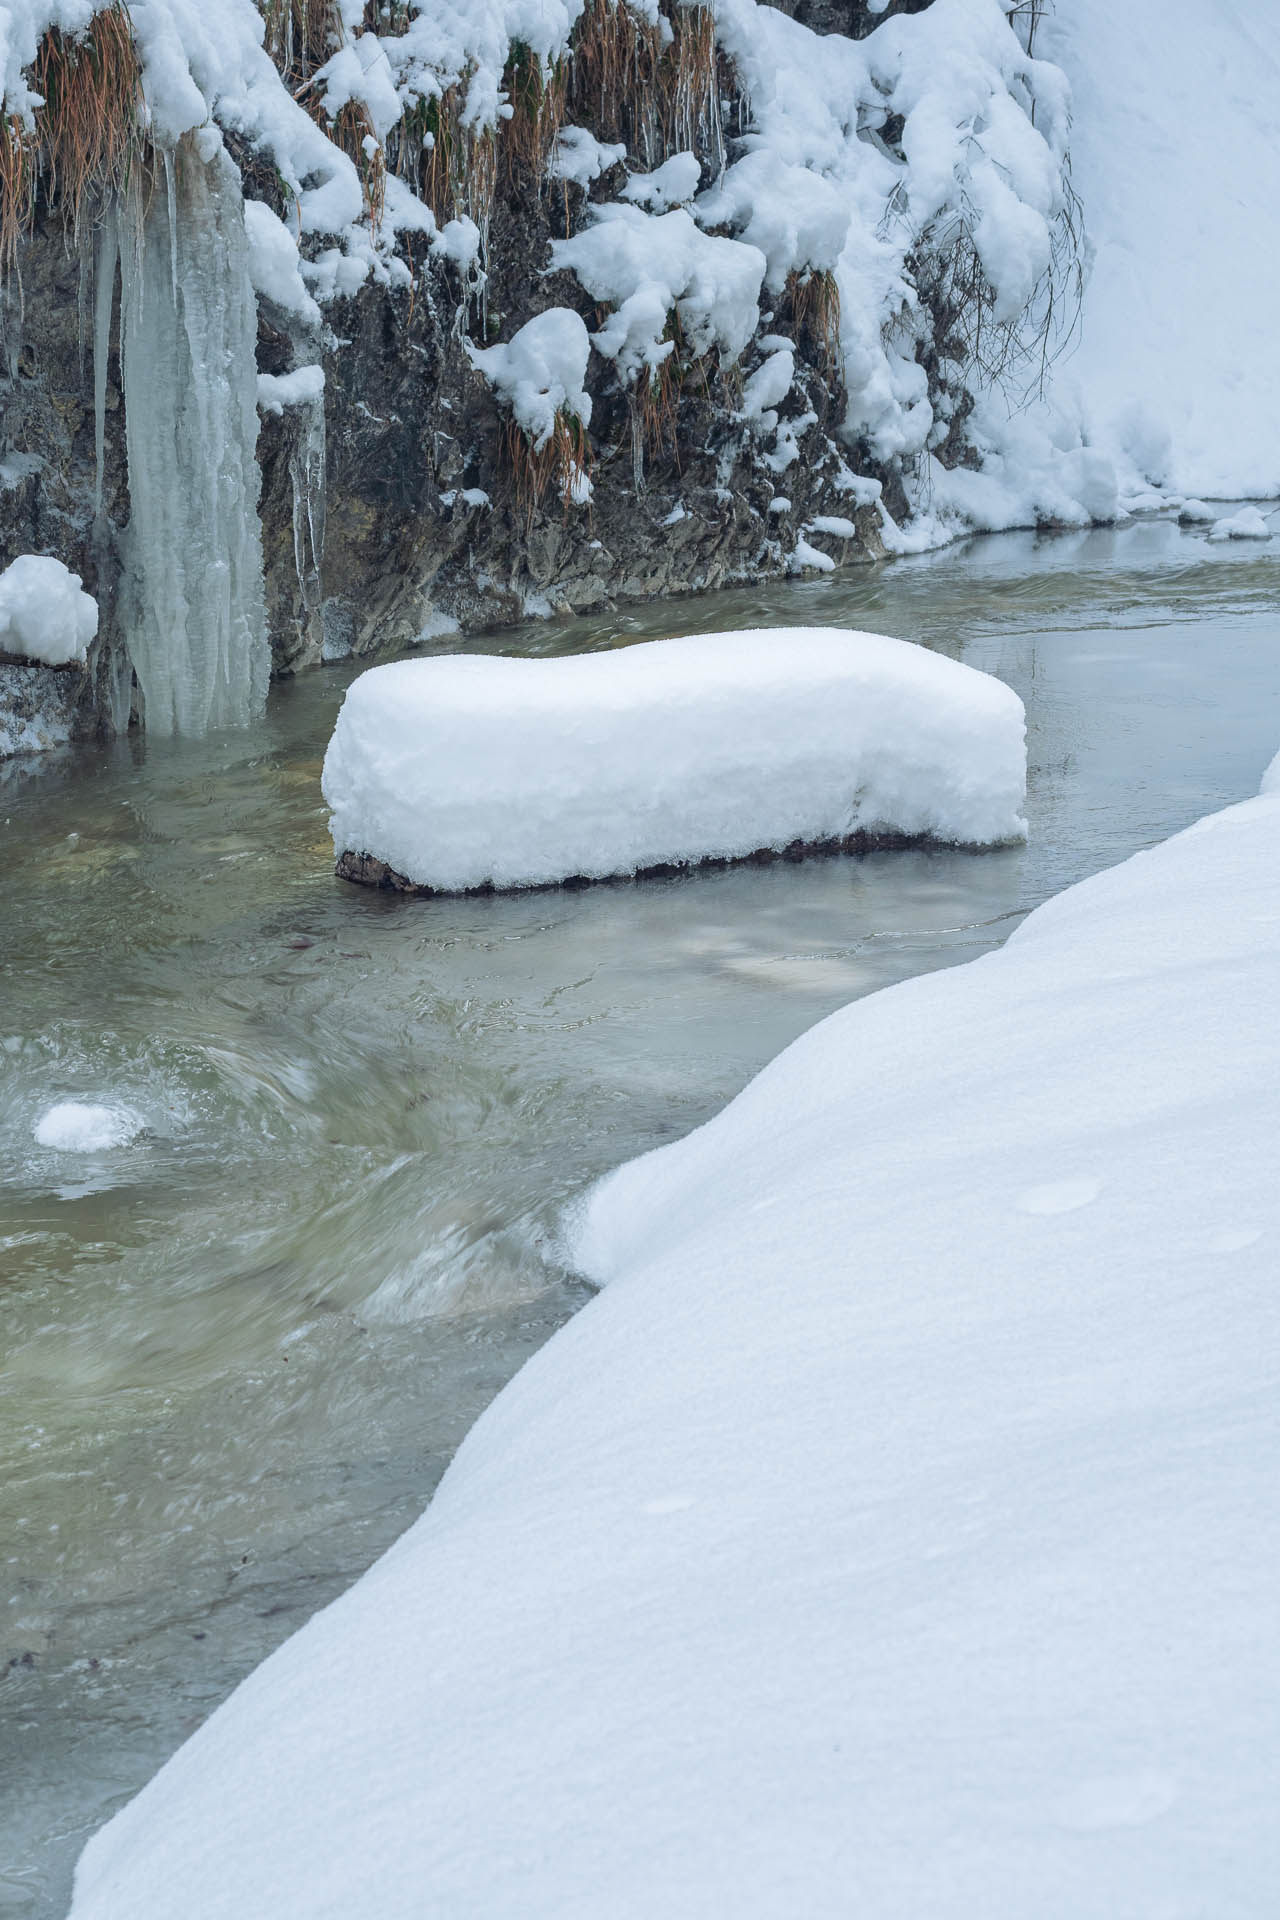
1248, 524
75, 1127
44, 615
1196, 513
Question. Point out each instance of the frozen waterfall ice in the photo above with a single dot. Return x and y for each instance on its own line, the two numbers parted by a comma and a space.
193, 598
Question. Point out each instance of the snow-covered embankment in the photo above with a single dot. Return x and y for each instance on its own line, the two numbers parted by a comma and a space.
891, 1535
469, 771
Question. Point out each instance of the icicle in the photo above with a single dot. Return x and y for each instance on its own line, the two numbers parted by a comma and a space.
171, 201
194, 611
84, 277
103, 296
307, 472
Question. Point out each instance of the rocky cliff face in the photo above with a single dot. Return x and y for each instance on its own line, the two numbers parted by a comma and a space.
404, 504
413, 437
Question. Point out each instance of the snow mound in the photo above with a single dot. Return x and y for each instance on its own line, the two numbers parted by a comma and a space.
898, 1519
465, 771
44, 614
76, 1127
1248, 524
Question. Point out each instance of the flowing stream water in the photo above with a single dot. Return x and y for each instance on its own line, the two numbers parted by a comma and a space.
239, 1352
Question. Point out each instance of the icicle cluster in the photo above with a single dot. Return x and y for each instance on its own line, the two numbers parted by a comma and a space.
195, 612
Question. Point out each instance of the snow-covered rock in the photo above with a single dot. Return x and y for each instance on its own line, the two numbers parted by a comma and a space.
892, 1535
671, 185
469, 770
274, 263
44, 613
1248, 524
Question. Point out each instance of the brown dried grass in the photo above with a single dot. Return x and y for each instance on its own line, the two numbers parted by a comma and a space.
536, 470
628, 81
815, 316
85, 137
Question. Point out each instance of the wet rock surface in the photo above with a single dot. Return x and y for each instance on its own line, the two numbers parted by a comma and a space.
366, 870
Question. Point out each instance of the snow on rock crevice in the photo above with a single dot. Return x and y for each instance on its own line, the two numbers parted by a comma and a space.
468, 771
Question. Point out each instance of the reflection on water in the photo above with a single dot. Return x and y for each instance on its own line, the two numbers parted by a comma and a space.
240, 1348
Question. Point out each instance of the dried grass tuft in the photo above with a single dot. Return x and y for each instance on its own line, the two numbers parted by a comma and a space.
656, 90
17, 187
536, 96
562, 463
815, 316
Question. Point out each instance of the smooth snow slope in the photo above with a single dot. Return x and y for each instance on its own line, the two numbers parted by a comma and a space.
1175, 148
894, 1537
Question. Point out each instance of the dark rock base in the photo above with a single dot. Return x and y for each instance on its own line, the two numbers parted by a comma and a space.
366, 870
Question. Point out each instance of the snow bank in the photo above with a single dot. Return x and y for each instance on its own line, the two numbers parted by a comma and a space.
892, 1535
76, 1127
1176, 376
44, 614
465, 770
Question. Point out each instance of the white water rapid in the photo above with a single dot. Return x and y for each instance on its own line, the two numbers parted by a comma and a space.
193, 593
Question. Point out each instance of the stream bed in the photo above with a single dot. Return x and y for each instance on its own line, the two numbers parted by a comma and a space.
238, 1352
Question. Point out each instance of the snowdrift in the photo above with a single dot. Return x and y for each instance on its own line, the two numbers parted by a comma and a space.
467, 771
891, 1536
1175, 376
